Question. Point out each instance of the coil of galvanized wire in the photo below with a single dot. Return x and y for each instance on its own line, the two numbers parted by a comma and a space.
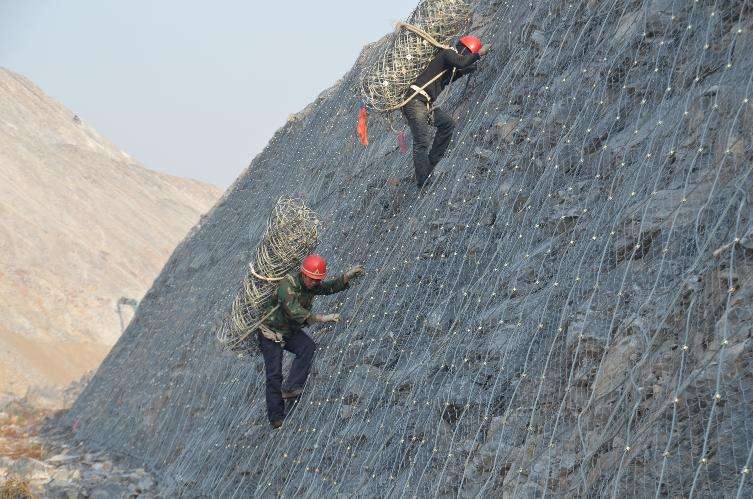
385, 83
291, 234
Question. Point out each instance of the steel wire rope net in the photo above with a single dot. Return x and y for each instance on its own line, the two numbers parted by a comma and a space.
385, 82
564, 311
292, 232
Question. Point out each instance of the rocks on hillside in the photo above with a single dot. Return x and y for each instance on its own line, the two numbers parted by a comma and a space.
563, 311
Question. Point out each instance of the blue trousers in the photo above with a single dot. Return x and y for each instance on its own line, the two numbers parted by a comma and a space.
298, 343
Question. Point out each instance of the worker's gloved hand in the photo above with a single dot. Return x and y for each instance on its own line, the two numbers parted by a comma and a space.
328, 318
356, 271
483, 50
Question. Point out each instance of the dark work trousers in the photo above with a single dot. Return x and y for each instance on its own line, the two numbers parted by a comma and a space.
417, 115
298, 343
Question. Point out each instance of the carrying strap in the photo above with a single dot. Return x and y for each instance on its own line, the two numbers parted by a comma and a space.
263, 278
421, 90
260, 325
271, 335
452, 78
423, 34
265, 330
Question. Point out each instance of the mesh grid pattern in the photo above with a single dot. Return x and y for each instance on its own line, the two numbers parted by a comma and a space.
565, 311
385, 82
291, 234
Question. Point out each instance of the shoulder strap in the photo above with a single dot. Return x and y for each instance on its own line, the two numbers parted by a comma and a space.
258, 325
259, 276
420, 90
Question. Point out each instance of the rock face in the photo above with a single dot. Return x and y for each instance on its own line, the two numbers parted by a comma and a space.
565, 311
81, 225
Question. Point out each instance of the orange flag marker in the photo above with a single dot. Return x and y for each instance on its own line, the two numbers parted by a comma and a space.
363, 132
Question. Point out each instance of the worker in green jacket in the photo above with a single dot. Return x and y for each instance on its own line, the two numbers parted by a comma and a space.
283, 330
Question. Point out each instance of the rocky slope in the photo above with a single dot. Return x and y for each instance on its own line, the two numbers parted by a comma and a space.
565, 311
81, 225
50, 466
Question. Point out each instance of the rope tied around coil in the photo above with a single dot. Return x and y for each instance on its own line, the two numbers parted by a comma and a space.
263, 278
423, 34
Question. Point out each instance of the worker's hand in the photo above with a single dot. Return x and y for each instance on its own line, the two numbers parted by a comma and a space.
329, 318
356, 271
483, 50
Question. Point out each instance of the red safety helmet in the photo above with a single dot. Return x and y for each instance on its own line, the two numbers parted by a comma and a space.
315, 267
471, 43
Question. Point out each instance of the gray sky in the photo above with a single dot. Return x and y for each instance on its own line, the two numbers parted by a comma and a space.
191, 88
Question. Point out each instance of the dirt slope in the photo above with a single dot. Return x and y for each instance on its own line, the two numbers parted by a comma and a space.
81, 225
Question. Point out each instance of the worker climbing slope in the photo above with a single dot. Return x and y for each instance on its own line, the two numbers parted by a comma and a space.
283, 330
421, 111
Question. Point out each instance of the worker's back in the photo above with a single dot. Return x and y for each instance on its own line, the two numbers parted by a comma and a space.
446, 60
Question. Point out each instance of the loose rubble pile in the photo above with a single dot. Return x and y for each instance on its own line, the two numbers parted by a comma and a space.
72, 475
566, 309
51, 465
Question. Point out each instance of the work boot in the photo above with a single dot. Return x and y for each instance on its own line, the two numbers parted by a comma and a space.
289, 394
290, 404
277, 423
422, 173
426, 183
426, 177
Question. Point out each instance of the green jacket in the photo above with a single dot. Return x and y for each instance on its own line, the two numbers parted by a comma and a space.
295, 301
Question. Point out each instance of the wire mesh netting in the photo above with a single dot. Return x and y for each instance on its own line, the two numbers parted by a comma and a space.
565, 310
291, 234
385, 82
